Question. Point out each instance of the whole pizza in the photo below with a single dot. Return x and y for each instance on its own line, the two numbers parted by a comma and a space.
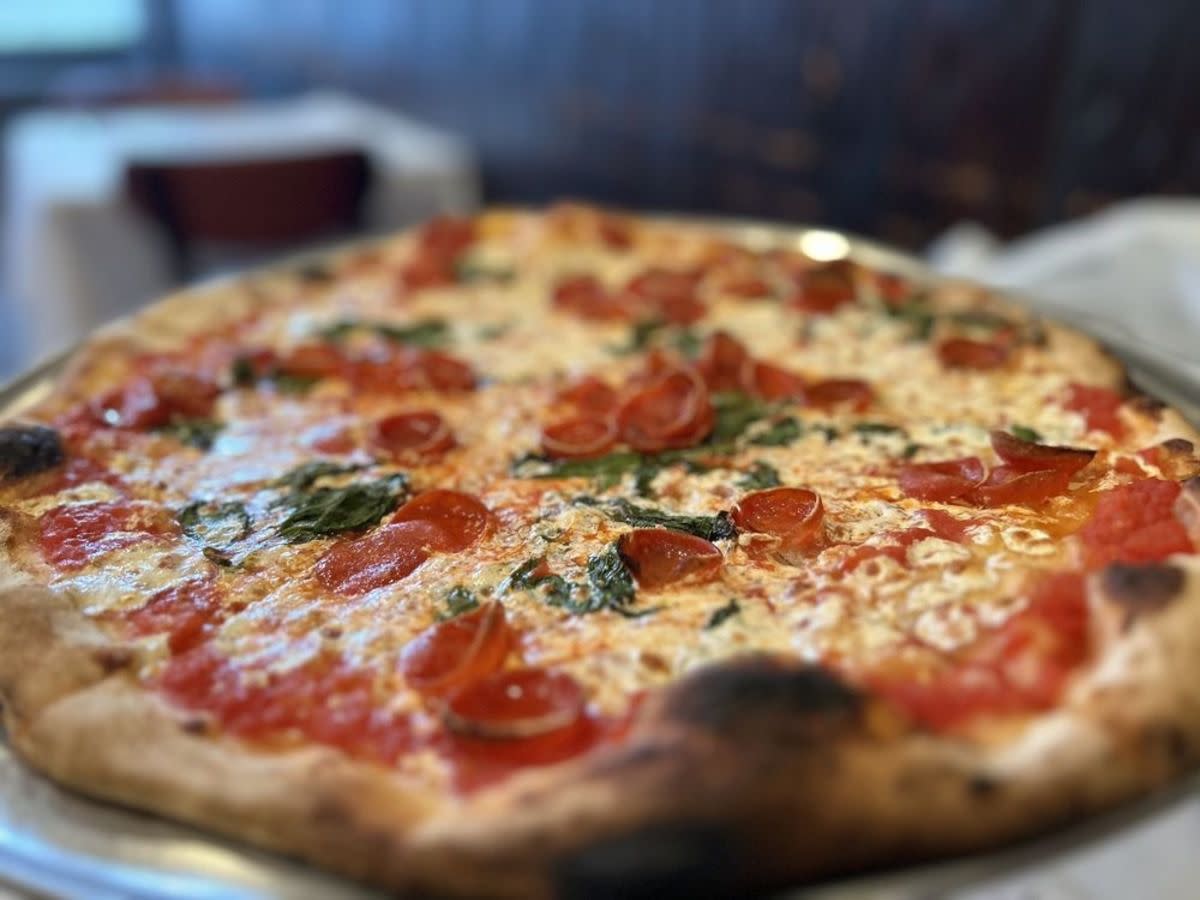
567, 553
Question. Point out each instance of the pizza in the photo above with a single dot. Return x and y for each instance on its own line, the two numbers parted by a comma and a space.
570, 553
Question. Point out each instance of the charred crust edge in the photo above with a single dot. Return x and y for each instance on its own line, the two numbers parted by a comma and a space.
1141, 589
762, 693
28, 449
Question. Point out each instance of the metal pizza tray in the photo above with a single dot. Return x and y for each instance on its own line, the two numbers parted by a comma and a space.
55, 843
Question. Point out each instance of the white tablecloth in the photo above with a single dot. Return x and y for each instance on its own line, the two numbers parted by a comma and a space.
75, 255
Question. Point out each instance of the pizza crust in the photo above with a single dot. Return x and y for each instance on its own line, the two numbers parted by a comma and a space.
693, 799
696, 795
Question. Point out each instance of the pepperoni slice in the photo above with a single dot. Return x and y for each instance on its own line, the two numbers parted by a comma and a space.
330, 437
444, 372
1100, 408
187, 613
825, 289
457, 652
795, 516
69, 537
1026, 456
413, 434
946, 526
834, 392
942, 481
579, 438
658, 557
460, 518
671, 294
314, 361
380, 558
964, 353
586, 297
590, 395
722, 362
516, 704
426, 270
1135, 523
1005, 486
150, 402
673, 412
770, 382
447, 236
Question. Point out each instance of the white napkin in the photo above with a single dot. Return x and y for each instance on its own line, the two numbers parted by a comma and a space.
1130, 274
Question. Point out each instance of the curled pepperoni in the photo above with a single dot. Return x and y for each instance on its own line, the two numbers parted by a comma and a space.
586, 297
964, 353
314, 361
581, 438
426, 270
149, 402
1100, 407
946, 526
421, 433
673, 412
658, 557
825, 289
444, 372
516, 704
457, 652
722, 362
1006, 485
461, 519
590, 395
1026, 456
771, 382
942, 481
795, 516
380, 558
446, 236
330, 437
834, 392
670, 294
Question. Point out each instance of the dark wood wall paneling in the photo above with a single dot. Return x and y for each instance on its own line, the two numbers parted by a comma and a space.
891, 117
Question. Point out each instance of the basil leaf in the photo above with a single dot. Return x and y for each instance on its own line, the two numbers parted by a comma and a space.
760, 477
980, 319
610, 584
198, 433
910, 450
459, 600
734, 414
779, 434
868, 428
918, 316
467, 270
711, 528
423, 333
688, 343
722, 613
305, 476
1026, 434
557, 589
287, 383
328, 511
215, 525
640, 335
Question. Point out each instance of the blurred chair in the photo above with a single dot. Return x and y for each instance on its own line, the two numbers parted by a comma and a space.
254, 206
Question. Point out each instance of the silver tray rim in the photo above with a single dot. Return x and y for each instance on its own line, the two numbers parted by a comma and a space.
57, 842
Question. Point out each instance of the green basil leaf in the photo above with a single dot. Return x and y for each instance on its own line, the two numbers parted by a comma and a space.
1026, 434
779, 434
711, 528
760, 477
721, 614
198, 433
216, 525
327, 511
459, 600
422, 333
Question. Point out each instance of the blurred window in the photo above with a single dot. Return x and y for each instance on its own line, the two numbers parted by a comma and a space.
70, 26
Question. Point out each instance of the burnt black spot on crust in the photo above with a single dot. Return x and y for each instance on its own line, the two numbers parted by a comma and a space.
28, 449
110, 659
659, 861
761, 694
1144, 403
1178, 446
982, 787
1141, 589
315, 273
